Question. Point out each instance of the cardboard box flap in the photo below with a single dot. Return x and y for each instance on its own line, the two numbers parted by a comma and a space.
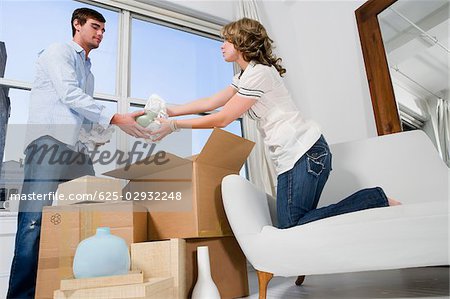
142, 169
226, 150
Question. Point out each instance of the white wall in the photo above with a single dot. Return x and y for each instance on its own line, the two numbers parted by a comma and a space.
319, 44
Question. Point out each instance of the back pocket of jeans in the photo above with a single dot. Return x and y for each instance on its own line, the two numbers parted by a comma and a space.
316, 158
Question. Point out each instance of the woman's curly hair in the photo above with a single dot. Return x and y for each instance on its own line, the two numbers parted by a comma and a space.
250, 38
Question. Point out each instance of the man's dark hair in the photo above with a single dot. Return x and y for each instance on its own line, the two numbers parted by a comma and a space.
83, 14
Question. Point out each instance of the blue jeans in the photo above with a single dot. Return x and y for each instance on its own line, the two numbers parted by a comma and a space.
44, 171
299, 190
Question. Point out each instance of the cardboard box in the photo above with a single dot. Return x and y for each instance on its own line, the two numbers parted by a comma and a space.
71, 284
162, 259
64, 227
88, 188
228, 264
155, 288
197, 180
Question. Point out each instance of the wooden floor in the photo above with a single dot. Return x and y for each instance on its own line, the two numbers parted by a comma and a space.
430, 282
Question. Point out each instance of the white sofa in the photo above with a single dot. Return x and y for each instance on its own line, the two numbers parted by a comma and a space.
415, 234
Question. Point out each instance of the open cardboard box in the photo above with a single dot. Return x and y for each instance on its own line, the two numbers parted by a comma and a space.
192, 207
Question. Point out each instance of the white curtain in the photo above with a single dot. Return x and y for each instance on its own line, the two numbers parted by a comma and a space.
261, 169
248, 9
440, 117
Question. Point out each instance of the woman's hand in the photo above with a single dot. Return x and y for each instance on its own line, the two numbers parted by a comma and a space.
170, 111
163, 131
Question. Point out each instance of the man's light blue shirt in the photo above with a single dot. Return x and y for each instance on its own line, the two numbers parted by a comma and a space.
61, 99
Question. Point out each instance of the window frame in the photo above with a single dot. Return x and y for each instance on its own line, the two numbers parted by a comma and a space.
127, 10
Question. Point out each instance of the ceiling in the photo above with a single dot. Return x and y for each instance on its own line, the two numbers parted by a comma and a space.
418, 64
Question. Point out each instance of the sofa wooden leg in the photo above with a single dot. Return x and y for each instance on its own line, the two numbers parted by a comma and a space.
263, 280
300, 280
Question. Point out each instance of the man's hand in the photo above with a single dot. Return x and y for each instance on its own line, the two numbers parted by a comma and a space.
127, 123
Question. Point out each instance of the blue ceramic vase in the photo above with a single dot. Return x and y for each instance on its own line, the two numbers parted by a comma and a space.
101, 255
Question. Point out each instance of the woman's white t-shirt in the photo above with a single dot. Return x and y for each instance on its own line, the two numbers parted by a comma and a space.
287, 135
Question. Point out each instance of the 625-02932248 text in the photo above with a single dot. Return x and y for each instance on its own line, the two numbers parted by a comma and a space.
149, 195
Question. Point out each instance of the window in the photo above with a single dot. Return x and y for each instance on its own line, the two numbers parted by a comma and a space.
143, 52
2, 195
16, 132
15, 136
198, 137
111, 146
178, 66
13, 191
24, 39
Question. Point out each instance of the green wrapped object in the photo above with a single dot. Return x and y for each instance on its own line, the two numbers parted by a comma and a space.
145, 119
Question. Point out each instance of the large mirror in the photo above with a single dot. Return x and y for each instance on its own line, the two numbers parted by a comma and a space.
406, 52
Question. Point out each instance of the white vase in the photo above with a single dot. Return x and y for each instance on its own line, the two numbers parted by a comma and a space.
204, 288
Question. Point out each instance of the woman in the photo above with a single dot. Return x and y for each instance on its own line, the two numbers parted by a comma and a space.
297, 148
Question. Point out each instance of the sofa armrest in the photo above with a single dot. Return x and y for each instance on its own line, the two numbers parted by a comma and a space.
272, 203
246, 207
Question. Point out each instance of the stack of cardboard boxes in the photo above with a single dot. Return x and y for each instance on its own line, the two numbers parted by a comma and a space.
64, 227
183, 200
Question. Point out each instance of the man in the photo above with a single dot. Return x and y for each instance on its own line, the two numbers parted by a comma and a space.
61, 104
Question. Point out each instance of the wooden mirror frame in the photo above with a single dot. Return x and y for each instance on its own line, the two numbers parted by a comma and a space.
377, 69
